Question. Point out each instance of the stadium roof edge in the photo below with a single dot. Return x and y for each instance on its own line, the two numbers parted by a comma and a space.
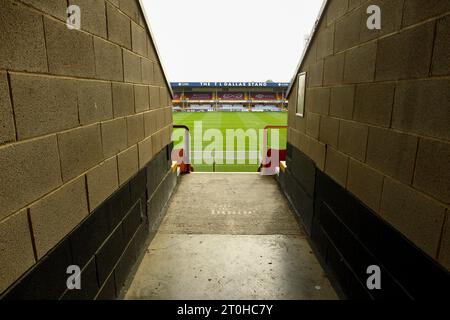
147, 22
308, 45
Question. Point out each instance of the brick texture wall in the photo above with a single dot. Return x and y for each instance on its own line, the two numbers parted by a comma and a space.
81, 111
378, 112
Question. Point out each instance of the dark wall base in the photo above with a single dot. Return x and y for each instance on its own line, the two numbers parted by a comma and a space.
348, 237
107, 244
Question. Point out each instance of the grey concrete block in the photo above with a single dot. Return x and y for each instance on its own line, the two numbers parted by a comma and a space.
147, 71
138, 39
154, 98
157, 142
405, 55
441, 52
336, 9
94, 101
31, 167
123, 99
93, 16
160, 119
7, 127
365, 183
131, 67
329, 131
336, 166
168, 116
131, 8
16, 248
56, 8
145, 152
317, 152
334, 69
352, 4
353, 139
423, 107
374, 103
315, 75
348, 30
432, 172
318, 100
135, 127
22, 44
159, 75
164, 97
141, 98
342, 102
392, 153
417, 10
360, 63
55, 215
43, 104
62, 43
114, 136
313, 125
108, 60
128, 163
102, 181
167, 135
303, 142
151, 52
325, 42
150, 124
80, 149
418, 217
310, 57
119, 26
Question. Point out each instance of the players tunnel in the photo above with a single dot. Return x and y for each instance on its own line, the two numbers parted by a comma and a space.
92, 206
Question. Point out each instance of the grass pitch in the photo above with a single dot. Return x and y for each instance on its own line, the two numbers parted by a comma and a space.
215, 140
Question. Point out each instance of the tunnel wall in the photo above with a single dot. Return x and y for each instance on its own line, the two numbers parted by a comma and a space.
376, 135
84, 114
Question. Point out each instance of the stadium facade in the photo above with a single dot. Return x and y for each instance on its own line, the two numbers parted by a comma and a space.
230, 96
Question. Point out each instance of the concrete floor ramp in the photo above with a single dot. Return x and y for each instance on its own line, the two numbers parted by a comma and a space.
229, 236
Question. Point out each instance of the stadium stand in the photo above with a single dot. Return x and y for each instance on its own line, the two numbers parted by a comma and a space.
230, 96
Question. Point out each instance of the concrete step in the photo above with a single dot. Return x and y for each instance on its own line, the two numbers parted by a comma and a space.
229, 236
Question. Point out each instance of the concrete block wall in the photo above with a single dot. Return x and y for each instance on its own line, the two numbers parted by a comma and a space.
81, 111
378, 112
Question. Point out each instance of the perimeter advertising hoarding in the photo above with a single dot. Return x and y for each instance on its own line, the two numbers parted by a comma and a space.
231, 96
198, 96
263, 96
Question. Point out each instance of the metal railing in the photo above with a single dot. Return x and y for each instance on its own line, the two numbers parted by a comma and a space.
182, 156
271, 159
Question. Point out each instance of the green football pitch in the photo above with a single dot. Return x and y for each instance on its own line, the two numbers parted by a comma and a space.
228, 141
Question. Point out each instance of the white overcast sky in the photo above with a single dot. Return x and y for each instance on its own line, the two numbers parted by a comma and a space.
231, 40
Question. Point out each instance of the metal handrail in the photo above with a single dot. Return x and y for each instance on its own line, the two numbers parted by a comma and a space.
182, 156
270, 160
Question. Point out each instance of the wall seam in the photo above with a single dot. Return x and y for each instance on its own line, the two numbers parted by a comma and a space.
33, 240
415, 162
430, 70
8, 79
393, 105
87, 193
438, 251
106, 20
